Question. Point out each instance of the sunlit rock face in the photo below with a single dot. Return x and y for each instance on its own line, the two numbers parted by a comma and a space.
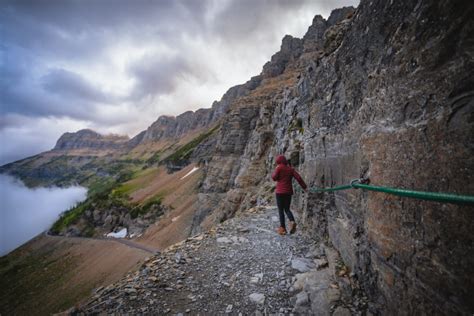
385, 92
89, 139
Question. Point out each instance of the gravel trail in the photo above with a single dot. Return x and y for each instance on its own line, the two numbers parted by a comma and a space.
240, 267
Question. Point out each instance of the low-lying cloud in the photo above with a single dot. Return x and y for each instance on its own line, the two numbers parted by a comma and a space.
24, 212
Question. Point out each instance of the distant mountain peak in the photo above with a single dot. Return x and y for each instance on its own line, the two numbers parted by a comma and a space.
89, 139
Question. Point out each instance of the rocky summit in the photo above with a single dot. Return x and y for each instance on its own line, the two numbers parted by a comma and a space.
89, 139
384, 92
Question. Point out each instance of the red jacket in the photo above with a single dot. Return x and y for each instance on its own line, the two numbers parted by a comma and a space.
283, 174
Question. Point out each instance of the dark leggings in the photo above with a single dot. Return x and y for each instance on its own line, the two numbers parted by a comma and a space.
283, 203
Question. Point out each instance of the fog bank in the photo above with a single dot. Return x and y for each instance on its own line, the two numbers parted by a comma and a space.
24, 212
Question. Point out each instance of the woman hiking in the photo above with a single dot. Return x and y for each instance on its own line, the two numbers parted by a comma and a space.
283, 174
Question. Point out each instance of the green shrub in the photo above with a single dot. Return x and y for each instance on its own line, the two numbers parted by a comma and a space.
155, 158
101, 189
185, 151
140, 210
125, 175
70, 217
89, 231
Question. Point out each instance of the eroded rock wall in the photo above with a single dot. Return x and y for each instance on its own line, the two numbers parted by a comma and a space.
386, 93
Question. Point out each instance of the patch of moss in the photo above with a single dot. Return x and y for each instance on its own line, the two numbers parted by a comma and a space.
123, 190
125, 175
101, 188
296, 125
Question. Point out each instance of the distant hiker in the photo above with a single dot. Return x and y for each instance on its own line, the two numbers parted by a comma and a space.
283, 174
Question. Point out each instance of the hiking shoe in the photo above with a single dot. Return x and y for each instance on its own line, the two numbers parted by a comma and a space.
292, 227
281, 230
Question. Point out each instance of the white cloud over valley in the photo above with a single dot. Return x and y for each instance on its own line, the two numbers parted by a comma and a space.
24, 212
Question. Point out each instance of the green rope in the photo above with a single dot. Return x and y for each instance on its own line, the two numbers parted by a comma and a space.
338, 188
430, 196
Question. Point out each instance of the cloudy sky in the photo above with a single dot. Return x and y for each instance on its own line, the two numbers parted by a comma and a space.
115, 65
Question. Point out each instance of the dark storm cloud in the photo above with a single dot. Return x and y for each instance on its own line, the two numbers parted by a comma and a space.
37, 103
71, 85
80, 28
158, 75
27, 87
58, 93
35, 33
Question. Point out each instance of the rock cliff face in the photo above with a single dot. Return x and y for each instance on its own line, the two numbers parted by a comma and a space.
291, 48
385, 92
88, 139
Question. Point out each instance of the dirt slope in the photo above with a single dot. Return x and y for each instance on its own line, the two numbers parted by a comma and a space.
178, 192
49, 274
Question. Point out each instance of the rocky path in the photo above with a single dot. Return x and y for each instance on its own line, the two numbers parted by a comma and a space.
126, 242
242, 267
133, 244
